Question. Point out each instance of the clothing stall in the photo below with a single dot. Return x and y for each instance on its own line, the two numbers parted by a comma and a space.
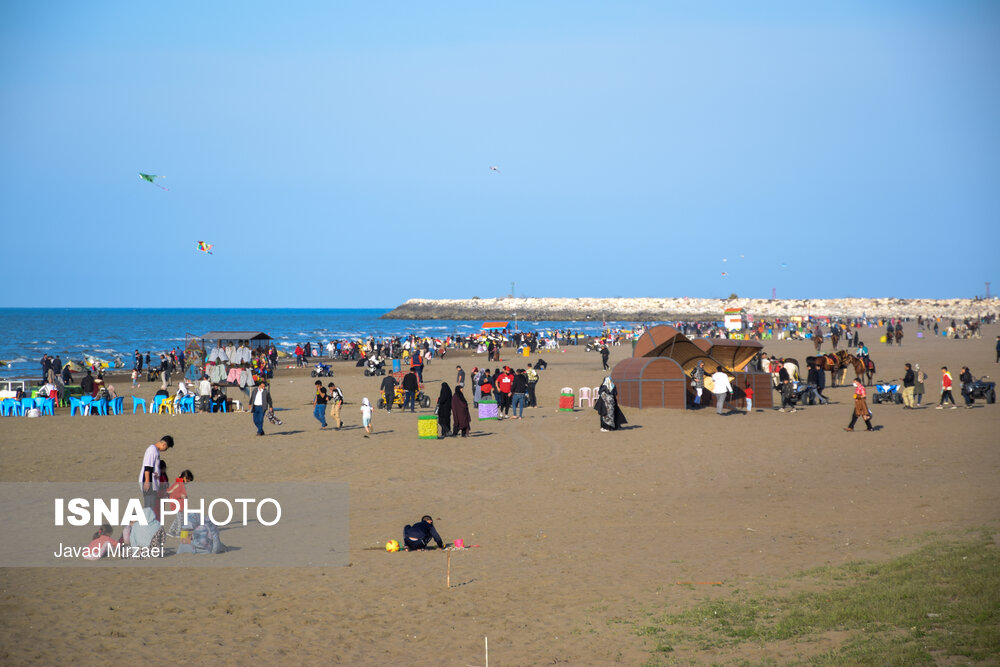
229, 357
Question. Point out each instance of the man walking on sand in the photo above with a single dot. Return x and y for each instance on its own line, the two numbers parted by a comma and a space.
260, 401
532, 383
410, 387
909, 382
389, 391
149, 476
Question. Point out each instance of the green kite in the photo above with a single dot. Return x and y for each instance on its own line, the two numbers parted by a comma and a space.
150, 178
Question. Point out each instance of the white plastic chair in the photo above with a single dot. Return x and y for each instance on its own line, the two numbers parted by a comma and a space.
584, 395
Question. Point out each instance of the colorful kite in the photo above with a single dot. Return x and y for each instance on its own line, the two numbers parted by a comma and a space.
495, 168
205, 247
150, 178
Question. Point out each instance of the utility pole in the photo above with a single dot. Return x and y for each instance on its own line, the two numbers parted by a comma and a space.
774, 293
512, 289
987, 291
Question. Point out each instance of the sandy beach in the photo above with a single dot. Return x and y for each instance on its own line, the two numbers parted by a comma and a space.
581, 532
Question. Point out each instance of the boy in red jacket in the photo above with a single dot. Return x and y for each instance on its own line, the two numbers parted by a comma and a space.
946, 389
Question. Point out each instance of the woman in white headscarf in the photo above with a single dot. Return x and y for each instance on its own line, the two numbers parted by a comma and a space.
918, 383
607, 406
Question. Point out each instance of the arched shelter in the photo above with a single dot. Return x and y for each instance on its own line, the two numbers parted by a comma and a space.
659, 373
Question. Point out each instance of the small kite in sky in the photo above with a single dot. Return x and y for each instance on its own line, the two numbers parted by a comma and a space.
151, 179
494, 168
205, 247
724, 274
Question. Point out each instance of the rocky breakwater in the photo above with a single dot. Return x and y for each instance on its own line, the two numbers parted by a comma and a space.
652, 309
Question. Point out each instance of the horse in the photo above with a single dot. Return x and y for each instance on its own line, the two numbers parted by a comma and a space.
899, 335
863, 367
829, 362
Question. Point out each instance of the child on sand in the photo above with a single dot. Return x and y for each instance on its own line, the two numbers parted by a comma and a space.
366, 415
419, 535
101, 543
748, 390
178, 490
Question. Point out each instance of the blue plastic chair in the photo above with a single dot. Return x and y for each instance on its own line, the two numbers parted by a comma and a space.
98, 407
186, 404
75, 406
219, 405
27, 404
137, 402
116, 405
48, 406
9, 406
156, 404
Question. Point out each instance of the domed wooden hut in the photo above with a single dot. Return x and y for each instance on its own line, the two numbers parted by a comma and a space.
659, 373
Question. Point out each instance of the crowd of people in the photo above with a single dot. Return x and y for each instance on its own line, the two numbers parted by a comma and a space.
513, 390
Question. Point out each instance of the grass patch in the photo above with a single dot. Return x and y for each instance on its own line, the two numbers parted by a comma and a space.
938, 603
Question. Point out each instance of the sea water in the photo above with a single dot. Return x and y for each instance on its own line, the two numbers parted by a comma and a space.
106, 333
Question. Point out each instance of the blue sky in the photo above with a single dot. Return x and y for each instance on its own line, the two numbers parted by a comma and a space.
337, 154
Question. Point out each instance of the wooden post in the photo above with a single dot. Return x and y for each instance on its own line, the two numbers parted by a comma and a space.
448, 577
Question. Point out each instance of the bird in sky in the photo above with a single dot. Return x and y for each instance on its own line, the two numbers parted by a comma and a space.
494, 168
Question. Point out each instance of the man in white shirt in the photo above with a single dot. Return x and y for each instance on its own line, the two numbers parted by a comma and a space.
149, 476
260, 401
721, 388
205, 392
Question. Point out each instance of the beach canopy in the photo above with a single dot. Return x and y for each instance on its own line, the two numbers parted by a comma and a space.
257, 338
494, 326
236, 335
